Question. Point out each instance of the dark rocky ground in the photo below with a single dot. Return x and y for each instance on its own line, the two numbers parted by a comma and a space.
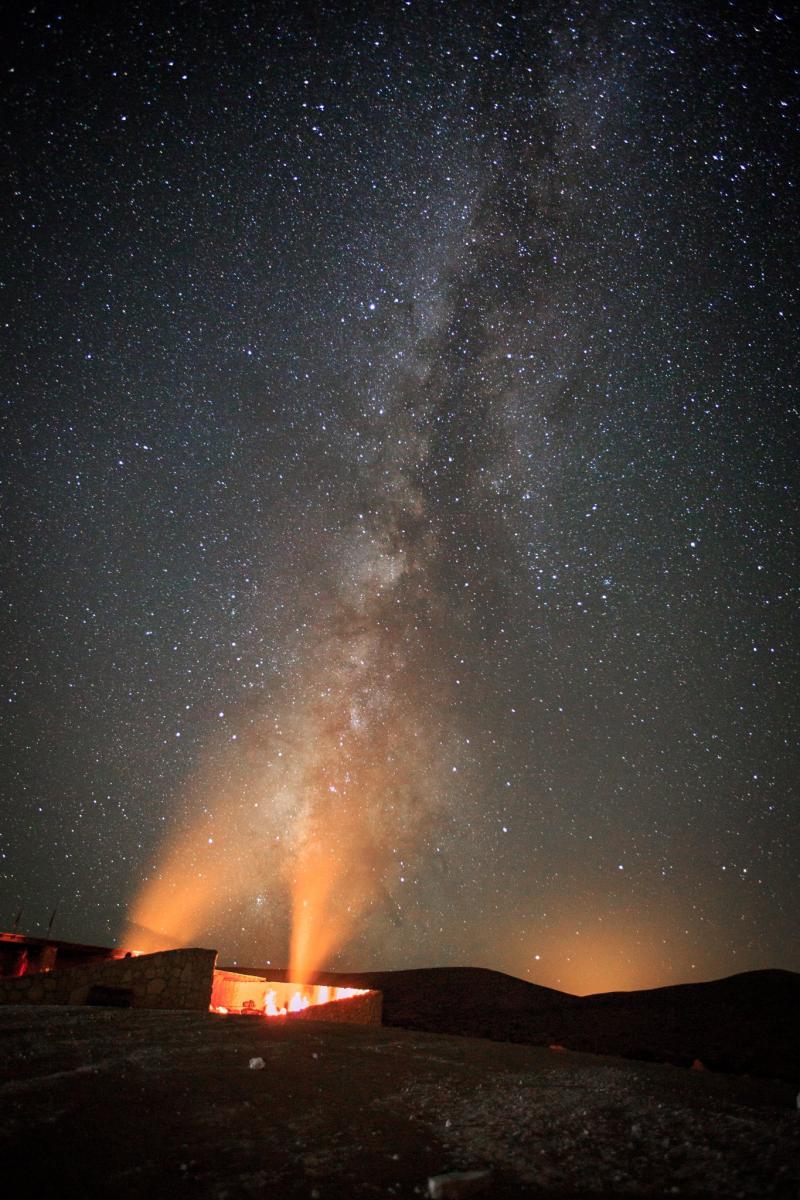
124, 1104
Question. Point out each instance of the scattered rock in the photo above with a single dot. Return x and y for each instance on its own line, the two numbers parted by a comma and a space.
257, 1064
456, 1184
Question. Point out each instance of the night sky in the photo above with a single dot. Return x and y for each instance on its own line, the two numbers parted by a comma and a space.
399, 475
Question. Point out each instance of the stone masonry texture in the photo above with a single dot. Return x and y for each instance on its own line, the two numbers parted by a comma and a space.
176, 979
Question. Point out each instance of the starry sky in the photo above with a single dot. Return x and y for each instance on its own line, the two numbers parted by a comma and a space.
399, 477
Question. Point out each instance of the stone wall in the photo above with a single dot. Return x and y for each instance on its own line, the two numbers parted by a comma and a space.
169, 979
366, 1009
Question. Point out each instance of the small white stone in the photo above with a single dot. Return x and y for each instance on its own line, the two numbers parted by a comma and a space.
257, 1064
456, 1184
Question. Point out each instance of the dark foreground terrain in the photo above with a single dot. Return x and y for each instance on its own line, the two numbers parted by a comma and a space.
746, 1024
101, 1103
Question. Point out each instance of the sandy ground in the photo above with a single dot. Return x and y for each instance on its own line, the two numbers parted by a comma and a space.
123, 1104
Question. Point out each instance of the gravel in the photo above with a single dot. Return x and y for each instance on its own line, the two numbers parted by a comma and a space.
141, 1105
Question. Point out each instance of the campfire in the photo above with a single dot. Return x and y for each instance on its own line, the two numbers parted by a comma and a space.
251, 995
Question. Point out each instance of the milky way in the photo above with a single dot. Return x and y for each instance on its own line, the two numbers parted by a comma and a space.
399, 485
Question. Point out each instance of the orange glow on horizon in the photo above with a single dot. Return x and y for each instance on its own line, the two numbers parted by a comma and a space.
593, 948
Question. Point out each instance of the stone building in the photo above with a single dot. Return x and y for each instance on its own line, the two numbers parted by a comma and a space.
46, 971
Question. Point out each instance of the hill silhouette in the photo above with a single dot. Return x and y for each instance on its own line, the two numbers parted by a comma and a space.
743, 1024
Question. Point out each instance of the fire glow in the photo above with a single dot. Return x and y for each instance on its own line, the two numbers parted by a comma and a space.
233, 993
308, 813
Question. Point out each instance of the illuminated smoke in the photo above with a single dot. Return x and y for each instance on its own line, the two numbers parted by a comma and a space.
343, 776
344, 780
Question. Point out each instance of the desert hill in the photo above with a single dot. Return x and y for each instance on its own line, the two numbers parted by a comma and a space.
744, 1024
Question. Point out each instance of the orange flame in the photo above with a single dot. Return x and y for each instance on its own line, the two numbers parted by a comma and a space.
232, 992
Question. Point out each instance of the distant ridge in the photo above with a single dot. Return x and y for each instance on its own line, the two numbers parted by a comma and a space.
737, 984
746, 1024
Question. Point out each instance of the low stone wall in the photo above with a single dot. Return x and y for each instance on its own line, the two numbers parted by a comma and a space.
366, 1009
170, 979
